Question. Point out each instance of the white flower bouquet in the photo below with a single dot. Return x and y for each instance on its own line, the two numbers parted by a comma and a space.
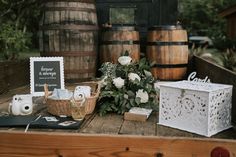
126, 85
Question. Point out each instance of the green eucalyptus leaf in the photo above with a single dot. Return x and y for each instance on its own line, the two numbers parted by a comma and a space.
132, 102
131, 93
138, 100
116, 99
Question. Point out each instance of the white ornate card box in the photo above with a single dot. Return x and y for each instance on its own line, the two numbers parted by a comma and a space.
197, 107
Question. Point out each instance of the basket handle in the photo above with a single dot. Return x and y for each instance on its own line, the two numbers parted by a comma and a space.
98, 89
46, 92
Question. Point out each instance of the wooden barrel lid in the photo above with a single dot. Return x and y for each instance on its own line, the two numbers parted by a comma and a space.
165, 27
120, 28
82, 1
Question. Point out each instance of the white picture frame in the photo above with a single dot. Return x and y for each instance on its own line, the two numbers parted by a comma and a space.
46, 70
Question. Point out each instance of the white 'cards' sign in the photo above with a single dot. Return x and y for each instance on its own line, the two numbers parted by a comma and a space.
192, 77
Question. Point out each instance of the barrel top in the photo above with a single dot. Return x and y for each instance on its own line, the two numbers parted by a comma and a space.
120, 28
82, 1
166, 27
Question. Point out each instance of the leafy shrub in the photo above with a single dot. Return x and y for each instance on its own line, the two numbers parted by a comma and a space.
229, 59
224, 43
13, 41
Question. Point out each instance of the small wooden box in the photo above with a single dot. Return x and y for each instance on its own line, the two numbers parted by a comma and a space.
137, 114
135, 117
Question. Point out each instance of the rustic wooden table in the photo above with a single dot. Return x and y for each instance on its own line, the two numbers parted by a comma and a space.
109, 135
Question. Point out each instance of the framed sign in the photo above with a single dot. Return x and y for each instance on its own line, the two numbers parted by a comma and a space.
46, 70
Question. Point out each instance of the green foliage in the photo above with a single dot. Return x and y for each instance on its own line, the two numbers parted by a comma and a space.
21, 13
120, 100
19, 21
223, 44
201, 16
13, 41
229, 60
122, 15
225, 58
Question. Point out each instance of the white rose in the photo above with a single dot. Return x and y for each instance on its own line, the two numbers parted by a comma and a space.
124, 60
118, 82
133, 77
143, 95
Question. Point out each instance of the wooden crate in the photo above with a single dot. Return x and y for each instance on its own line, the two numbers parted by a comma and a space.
217, 74
111, 136
90, 145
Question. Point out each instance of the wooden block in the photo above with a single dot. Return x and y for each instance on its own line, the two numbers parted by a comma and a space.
135, 117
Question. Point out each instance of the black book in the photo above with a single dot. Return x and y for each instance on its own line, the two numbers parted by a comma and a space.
39, 122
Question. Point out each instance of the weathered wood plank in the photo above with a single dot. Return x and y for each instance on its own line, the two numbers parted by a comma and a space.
3, 83
217, 74
19, 90
108, 124
61, 144
147, 128
227, 134
87, 120
13, 74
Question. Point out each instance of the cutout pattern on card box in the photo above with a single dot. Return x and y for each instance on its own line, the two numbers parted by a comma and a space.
196, 107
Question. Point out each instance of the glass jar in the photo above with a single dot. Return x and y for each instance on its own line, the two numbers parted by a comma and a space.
78, 111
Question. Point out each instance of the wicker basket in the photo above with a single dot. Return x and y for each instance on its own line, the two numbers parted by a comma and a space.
63, 107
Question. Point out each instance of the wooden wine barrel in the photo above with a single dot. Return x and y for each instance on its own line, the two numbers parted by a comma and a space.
116, 40
167, 50
69, 29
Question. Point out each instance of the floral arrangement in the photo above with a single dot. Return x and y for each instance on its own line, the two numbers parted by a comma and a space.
125, 85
